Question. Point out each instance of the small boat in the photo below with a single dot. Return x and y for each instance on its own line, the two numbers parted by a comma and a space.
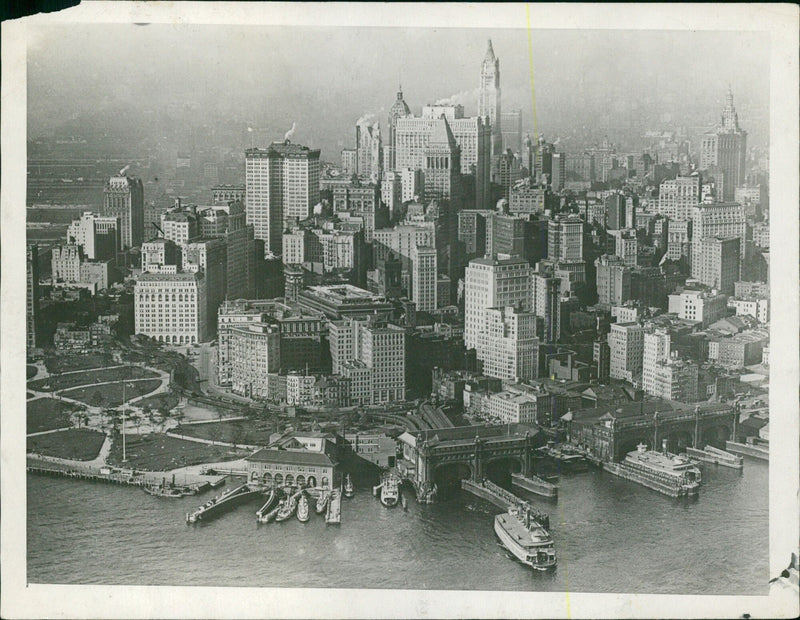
322, 502
287, 510
303, 510
158, 490
349, 489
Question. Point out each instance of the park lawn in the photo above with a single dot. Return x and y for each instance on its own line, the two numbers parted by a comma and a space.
76, 361
249, 432
30, 371
46, 414
80, 444
63, 382
157, 452
110, 394
166, 400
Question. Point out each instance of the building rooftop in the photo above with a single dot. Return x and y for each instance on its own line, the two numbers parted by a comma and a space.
291, 457
344, 293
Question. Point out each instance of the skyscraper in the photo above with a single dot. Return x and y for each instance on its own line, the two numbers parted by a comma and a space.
282, 183
715, 220
123, 198
98, 236
492, 282
489, 98
719, 267
423, 278
676, 197
565, 238
512, 130
442, 164
399, 109
509, 347
369, 152
726, 149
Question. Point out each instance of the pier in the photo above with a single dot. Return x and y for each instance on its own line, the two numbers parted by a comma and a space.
219, 504
334, 513
491, 492
748, 449
536, 485
118, 476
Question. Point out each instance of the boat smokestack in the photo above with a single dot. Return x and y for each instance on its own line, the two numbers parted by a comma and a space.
664, 445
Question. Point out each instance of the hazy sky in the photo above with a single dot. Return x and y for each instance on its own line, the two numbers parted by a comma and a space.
324, 79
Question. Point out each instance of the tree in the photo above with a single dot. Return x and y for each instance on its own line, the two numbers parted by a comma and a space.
98, 398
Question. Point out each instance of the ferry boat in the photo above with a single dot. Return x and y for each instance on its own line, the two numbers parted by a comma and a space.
349, 489
525, 538
667, 473
303, 509
390, 489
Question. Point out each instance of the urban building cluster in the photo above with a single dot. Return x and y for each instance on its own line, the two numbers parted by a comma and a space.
451, 257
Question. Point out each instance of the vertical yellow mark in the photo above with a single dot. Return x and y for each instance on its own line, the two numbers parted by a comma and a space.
533, 91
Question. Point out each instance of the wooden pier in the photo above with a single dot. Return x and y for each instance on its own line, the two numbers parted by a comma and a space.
536, 485
748, 449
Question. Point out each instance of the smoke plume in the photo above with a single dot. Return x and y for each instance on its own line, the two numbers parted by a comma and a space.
290, 133
121, 172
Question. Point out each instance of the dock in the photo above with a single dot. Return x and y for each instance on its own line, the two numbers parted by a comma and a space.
221, 503
501, 498
748, 449
118, 476
716, 456
334, 513
536, 485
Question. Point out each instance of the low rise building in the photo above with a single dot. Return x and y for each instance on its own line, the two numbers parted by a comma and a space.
291, 467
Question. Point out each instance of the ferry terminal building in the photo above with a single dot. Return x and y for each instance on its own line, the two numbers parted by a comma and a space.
291, 467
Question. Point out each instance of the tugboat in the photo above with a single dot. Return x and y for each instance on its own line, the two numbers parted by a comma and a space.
286, 510
349, 489
158, 490
526, 538
322, 502
303, 510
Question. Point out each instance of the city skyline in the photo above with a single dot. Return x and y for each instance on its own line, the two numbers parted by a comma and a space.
579, 75
294, 261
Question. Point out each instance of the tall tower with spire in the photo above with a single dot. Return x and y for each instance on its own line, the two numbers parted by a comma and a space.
399, 109
489, 97
723, 151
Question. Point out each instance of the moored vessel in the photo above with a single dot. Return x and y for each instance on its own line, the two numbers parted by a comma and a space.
389, 488
303, 509
525, 538
322, 502
349, 488
666, 473
287, 510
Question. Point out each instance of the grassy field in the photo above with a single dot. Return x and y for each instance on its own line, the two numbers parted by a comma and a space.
161, 453
100, 375
45, 414
166, 400
66, 363
236, 431
30, 371
110, 394
80, 444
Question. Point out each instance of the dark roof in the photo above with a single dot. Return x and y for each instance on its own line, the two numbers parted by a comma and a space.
291, 457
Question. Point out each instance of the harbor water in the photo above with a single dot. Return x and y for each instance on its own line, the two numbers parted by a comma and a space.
611, 535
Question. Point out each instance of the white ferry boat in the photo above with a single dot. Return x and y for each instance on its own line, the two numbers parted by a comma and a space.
525, 538
667, 473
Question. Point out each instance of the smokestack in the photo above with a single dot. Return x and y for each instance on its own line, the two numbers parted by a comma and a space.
121, 172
